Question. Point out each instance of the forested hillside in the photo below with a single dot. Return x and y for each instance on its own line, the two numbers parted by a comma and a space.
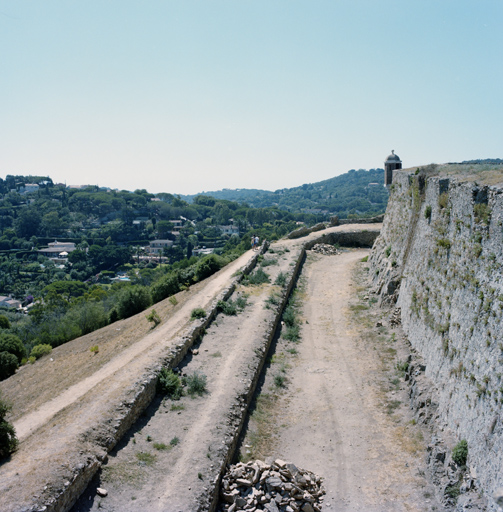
75, 259
354, 193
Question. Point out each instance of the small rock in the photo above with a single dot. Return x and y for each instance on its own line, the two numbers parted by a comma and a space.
242, 482
101, 492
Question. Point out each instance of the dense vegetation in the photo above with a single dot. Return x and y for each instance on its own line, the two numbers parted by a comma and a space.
355, 193
69, 297
112, 231
8, 440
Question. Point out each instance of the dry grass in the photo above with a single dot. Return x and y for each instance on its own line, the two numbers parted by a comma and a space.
411, 438
408, 435
73, 361
126, 472
262, 428
484, 174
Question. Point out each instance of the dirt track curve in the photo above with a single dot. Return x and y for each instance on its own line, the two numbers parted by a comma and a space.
333, 419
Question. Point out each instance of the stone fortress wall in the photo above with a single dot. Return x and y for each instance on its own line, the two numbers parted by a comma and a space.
439, 257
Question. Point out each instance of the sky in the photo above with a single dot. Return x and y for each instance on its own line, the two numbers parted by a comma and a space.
188, 96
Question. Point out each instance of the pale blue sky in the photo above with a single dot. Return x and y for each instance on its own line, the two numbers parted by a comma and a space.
185, 96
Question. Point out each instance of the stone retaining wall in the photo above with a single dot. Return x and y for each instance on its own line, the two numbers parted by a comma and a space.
439, 258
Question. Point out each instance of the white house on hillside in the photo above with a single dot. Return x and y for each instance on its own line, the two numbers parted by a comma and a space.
9, 302
58, 250
158, 246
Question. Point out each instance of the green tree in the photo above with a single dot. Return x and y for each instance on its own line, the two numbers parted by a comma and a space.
133, 299
51, 223
8, 440
4, 322
164, 228
28, 223
13, 345
66, 289
8, 365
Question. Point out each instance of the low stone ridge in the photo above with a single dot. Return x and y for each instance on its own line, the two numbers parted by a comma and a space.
277, 487
326, 249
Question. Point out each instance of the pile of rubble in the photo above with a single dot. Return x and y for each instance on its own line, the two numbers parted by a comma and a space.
277, 487
326, 249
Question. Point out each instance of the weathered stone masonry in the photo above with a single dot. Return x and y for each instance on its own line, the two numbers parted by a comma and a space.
439, 256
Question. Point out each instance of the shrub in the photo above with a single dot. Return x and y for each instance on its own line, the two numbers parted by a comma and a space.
154, 317
364, 259
94, 349
197, 313
168, 285
290, 316
132, 300
241, 302
482, 213
444, 242
169, 384
208, 265
292, 333
40, 350
272, 300
196, 384
258, 277
279, 381
4, 322
427, 212
87, 316
8, 439
443, 200
281, 279
227, 307
453, 491
388, 251
173, 300
146, 457
269, 261
12, 344
8, 365
403, 367
460, 453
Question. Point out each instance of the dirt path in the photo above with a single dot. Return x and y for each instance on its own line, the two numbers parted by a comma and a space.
181, 441
332, 419
141, 352
91, 400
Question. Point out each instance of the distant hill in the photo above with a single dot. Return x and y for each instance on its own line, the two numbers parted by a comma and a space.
354, 193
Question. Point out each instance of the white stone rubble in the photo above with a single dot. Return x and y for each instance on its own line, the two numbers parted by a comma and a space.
326, 249
277, 487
